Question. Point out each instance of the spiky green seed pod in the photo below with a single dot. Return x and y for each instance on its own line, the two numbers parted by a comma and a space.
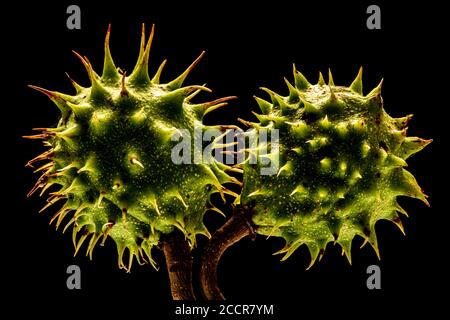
342, 162
110, 159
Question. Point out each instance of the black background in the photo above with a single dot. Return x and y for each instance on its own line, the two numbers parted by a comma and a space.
248, 45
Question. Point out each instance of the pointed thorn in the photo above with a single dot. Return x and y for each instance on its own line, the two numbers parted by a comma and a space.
193, 94
154, 204
330, 78
80, 242
39, 184
123, 89
357, 85
398, 222
43, 156
135, 161
321, 81
177, 98
52, 95
308, 107
110, 73
205, 108
215, 107
99, 200
97, 90
300, 81
45, 166
218, 211
180, 197
77, 87
140, 76
265, 106
256, 193
85, 64
178, 82
333, 96
57, 98
157, 76
245, 122
293, 94
377, 90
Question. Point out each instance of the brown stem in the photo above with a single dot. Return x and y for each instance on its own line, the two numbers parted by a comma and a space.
236, 228
179, 266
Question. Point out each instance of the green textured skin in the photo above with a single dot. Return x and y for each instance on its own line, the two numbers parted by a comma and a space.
341, 166
110, 159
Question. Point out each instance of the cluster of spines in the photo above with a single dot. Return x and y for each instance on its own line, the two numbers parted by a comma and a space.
65, 168
306, 118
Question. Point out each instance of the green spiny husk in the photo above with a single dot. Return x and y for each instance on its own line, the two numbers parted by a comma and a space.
342, 162
109, 159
